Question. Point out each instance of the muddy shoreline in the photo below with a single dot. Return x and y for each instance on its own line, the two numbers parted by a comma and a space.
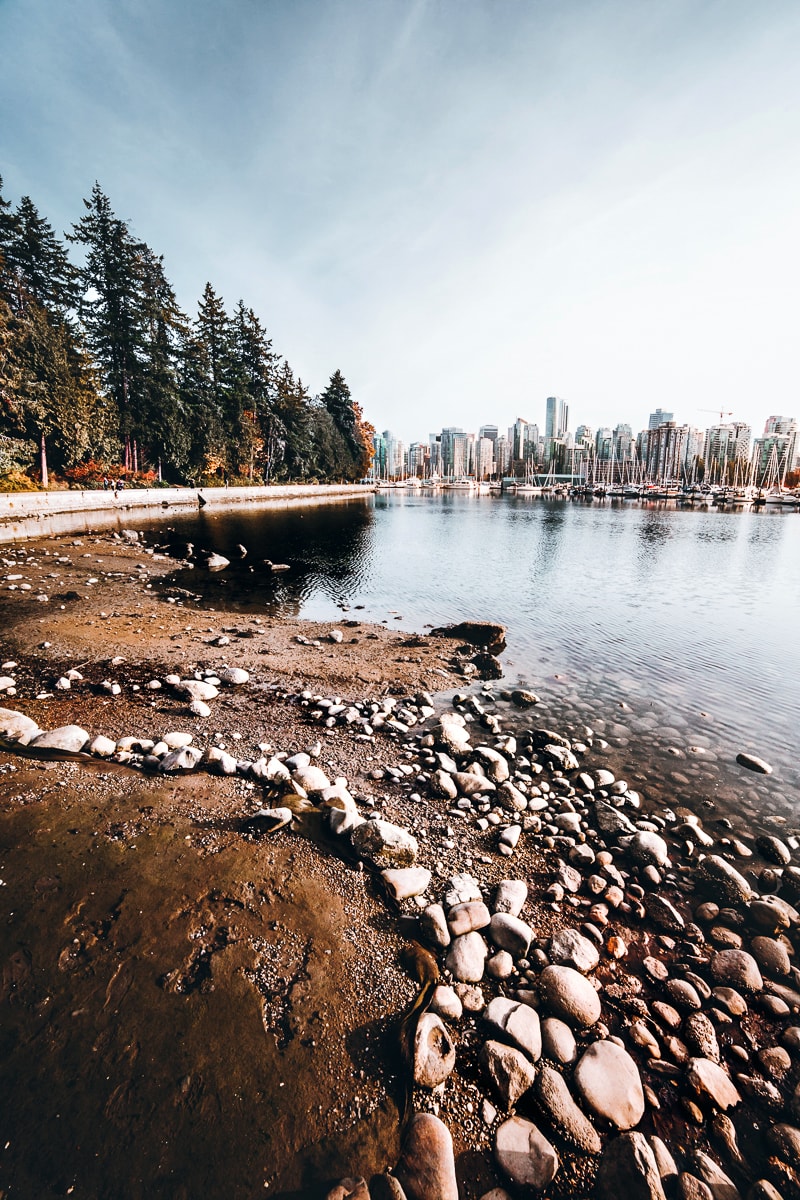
188, 1007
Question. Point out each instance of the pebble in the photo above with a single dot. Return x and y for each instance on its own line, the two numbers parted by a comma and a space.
524, 1154
629, 1169
511, 1072
608, 1082
569, 995
427, 1170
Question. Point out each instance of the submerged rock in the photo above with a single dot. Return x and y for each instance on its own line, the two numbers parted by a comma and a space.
753, 764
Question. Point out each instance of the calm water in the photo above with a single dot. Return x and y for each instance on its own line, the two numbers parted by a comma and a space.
672, 632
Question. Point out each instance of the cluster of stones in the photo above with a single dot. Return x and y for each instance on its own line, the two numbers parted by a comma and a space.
709, 1021
575, 1050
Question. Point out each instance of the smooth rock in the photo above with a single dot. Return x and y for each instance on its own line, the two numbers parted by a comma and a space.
771, 955
196, 689
446, 1002
404, 882
569, 995
102, 747
427, 1169
510, 896
628, 1169
721, 1185
217, 562
234, 676
646, 847
510, 933
608, 1081
558, 1041
712, 1082
466, 958
16, 728
434, 1051
753, 764
311, 779
519, 1022
433, 926
495, 763
736, 969
70, 738
465, 917
555, 1098
524, 1154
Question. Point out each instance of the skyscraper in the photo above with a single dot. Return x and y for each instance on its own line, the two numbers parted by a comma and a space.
557, 417
659, 417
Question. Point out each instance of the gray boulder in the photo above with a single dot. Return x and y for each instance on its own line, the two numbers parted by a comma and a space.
69, 738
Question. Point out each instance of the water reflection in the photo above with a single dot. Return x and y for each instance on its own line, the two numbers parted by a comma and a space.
673, 613
328, 550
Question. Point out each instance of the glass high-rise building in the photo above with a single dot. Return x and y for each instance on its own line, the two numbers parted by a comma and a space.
556, 417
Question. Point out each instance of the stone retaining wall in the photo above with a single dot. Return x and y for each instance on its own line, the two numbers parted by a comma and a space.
30, 514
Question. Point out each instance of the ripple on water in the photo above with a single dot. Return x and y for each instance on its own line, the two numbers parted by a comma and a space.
685, 617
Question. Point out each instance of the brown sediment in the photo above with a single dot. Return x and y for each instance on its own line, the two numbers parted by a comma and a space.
186, 1009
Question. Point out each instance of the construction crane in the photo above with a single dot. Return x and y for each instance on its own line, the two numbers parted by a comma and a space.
720, 411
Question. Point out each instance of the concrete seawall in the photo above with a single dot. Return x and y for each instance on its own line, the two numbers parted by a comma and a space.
33, 514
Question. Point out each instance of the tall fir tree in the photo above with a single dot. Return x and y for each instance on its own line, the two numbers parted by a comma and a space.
253, 387
111, 309
348, 419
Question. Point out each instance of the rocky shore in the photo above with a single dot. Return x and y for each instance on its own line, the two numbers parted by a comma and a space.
218, 838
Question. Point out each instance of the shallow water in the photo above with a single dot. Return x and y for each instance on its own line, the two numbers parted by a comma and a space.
672, 632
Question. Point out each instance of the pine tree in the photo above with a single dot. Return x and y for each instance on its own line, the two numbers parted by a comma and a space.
36, 263
112, 309
348, 419
163, 427
214, 339
253, 386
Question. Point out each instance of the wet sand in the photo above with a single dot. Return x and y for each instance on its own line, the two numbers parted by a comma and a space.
186, 1010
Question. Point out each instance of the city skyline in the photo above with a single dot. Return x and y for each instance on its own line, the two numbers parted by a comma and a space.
663, 447
450, 204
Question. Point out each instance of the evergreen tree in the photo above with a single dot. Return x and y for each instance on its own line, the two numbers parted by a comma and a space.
348, 419
36, 264
214, 340
112, 309
293, 412
163, 427
253, 386
57, 401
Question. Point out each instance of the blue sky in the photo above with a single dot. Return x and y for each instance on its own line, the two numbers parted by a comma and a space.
465, 206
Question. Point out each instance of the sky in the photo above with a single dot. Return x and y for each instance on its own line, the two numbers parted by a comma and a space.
464, 205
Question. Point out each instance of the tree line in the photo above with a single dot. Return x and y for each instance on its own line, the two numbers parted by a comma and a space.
101, 371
